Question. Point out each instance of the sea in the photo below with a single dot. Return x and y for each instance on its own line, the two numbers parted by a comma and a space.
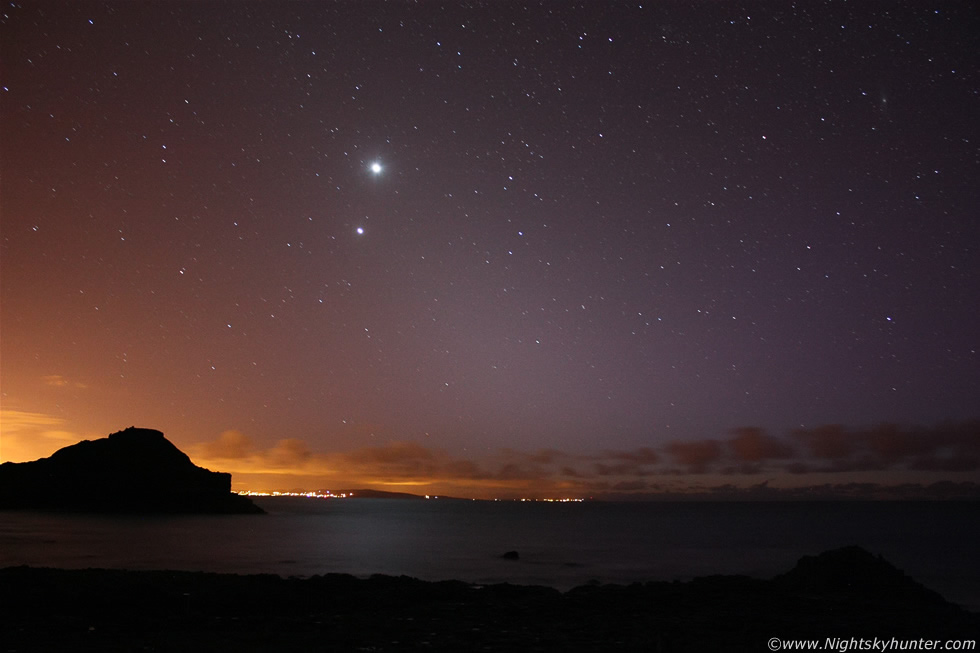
561, 545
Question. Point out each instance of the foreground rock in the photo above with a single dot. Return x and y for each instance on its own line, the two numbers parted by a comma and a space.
49, 609
136, 470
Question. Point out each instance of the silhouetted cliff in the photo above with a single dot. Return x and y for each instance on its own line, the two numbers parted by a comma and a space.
136, 470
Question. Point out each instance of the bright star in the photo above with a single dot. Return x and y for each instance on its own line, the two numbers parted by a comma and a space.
360, 231
376, 168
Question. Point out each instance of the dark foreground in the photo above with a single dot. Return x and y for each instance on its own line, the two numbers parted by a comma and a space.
845, 593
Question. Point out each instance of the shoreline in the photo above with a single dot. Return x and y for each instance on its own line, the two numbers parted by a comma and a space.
845, 593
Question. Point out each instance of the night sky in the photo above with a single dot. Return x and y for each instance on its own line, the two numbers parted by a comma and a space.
497, 248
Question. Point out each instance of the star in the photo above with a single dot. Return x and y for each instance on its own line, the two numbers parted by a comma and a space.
376, 168
359, 231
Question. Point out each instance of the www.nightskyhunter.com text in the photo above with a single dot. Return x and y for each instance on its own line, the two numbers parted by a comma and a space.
843, 645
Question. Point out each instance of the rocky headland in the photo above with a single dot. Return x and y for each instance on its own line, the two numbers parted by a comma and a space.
133, 471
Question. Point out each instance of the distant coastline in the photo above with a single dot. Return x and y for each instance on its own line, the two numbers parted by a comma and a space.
940, 491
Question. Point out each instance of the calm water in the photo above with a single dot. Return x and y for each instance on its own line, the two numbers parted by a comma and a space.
560, 545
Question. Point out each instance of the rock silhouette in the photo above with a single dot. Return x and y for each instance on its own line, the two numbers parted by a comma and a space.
853, 572
135, 470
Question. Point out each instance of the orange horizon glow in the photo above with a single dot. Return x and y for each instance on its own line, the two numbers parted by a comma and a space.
747, 458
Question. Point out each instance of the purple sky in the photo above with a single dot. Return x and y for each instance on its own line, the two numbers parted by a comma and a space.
594, 227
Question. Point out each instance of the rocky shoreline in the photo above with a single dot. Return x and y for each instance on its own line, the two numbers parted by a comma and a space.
843, 593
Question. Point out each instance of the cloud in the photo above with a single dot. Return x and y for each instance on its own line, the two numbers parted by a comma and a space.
752, 444
59, 381
513, 472
748, 453
696, 456
290, 453
465, 469
26, 435
505, 473
890, 444
229, 445
392, 453
18, 421
963, 490
641, 456
629, 486
395, 462
946, 463
950, 446
546, 456
830, 442
621, 469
